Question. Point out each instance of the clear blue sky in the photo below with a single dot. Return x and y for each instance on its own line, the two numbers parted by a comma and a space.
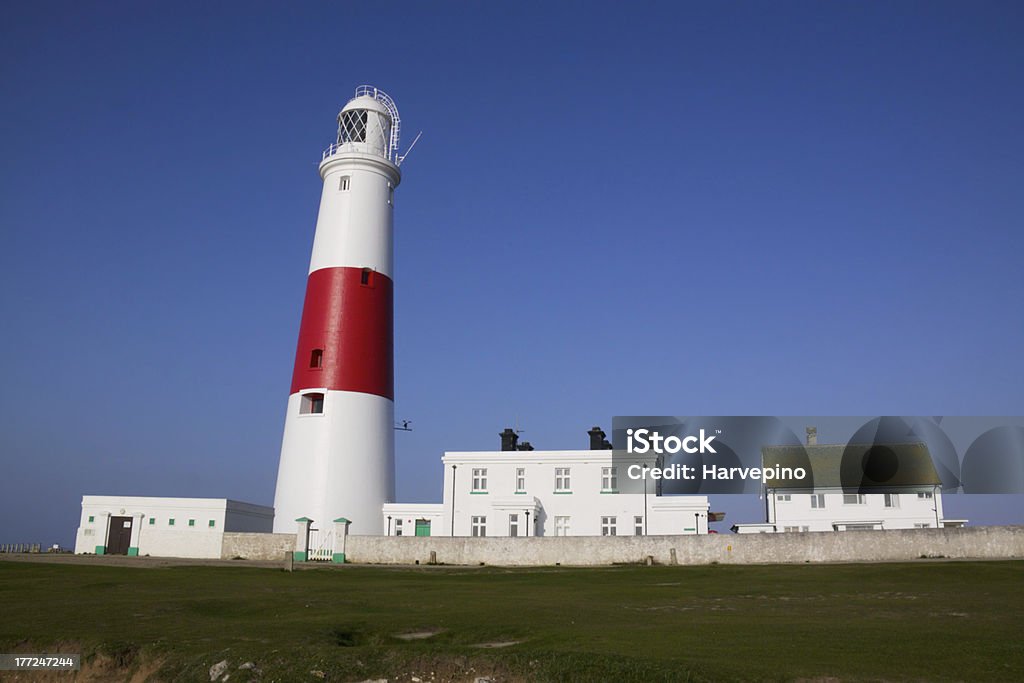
670, 208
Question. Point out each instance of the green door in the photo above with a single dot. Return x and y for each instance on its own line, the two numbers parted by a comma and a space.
422, 527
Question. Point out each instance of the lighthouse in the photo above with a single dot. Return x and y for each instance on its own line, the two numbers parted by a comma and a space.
338, 450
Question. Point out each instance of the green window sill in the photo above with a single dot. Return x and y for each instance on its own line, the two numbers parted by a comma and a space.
610, 491
478, 493
562, 493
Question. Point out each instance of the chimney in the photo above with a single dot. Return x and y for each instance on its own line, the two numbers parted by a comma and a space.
525, 446
509, 439
812, 436
598, 442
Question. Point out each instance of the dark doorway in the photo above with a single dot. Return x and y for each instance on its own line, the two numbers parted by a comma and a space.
119, 537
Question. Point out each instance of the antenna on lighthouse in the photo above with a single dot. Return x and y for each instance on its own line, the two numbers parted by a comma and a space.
401, 157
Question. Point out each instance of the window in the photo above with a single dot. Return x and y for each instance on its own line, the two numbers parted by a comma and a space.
480, 479
92, 519
919, 525
212, 523
343, 183
892, 500
561, 526
520, 480
170, 522
925, 496
513, 525
391, 193
818, 501
479, 526
638, 526
398, 527
311, 404
853, 499
609, 479
562, 479
366, 277
860, 527
784, 497
791, 528
352, 126
152, 521
316, 358
608, 526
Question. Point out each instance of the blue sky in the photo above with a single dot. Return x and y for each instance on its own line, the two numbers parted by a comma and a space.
659, 208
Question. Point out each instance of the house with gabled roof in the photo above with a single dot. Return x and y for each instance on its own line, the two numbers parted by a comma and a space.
851, 487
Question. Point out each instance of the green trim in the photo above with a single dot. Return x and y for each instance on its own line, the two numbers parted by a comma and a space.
299, 556
133, 552
478, 493
303, 519
688, 528
92, 518
152, 521
343, 520
562, 493
338, 558
101, 550
609, 491
520, 493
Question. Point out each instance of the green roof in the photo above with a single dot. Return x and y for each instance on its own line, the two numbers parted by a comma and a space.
853, 466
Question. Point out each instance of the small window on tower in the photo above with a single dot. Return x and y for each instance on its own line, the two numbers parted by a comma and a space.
391, 193
316, 358
366, 277
312, 404
343, 184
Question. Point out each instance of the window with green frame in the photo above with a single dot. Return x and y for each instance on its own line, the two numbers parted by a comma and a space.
152, 521
212, 524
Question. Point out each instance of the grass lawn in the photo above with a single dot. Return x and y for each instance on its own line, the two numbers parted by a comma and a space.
921, 621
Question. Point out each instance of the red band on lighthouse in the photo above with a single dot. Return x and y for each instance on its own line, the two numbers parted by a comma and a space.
346, 338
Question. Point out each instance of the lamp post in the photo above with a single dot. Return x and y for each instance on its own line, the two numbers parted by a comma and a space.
527, 523
696, 523
453, 498
645, 498
389, 525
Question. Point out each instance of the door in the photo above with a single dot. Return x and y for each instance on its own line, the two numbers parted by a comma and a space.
422, 527
119, 536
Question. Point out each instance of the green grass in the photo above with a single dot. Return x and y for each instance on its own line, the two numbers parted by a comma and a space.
924, 621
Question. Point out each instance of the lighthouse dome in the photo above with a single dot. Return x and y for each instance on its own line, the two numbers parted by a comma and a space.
367, 124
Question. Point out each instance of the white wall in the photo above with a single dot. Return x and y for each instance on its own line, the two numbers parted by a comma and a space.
404, 515
584, 504
911, 510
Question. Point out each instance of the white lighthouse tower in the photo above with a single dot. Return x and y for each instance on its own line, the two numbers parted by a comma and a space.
338, 450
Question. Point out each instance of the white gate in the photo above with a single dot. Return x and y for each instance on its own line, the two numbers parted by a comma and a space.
321, 545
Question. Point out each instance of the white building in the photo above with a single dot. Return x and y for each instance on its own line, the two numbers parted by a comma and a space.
164, 527
516, 492
912, 497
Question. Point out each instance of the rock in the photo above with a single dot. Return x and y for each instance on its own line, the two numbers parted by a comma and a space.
247, 666
217, 669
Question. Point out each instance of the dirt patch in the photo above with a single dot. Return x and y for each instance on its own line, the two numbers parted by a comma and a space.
418, 635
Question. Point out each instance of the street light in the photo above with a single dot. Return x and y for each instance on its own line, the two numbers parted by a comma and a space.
645, 497
527, 523
389, 525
